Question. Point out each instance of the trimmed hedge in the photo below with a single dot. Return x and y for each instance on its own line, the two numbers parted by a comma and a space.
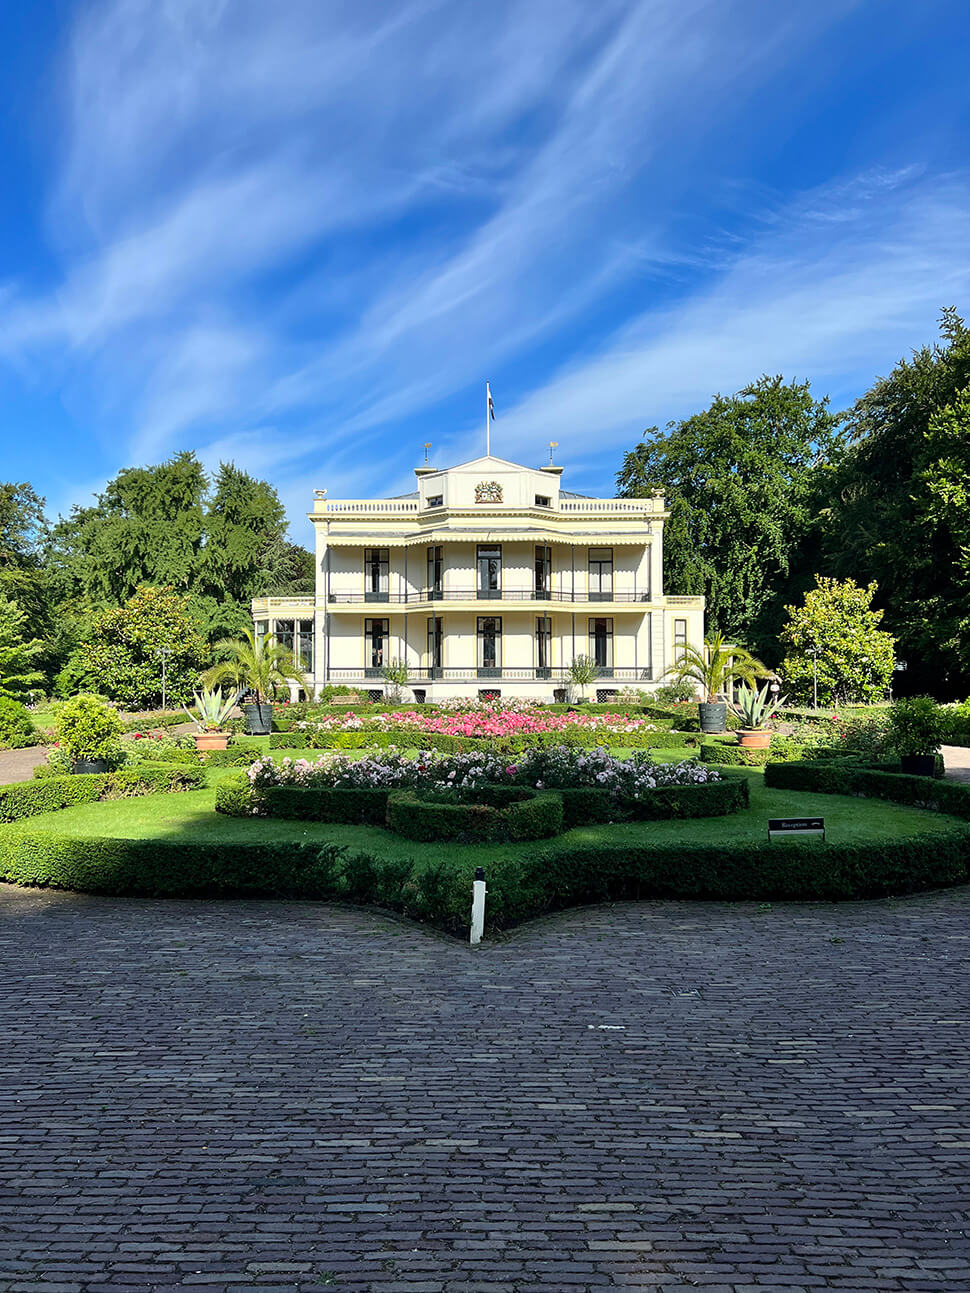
519, 888
28, 798
580, 806
847, 779
536, 816
444, 744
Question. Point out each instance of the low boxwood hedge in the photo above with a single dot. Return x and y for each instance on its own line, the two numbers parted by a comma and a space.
444, 744
852, 779
519, 888
534, 815
28, 798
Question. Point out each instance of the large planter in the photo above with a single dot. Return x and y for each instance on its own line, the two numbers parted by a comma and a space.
754, 738
259, 719
918, 765
713, 716
89, 765
211, 740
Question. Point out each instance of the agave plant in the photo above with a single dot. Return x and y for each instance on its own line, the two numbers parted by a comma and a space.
212, 708
755, 706
715, 667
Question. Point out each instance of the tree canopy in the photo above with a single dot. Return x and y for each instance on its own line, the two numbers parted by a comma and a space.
742, 480
898, 511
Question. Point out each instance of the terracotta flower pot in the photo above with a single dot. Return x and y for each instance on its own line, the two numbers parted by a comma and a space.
754, 738
211, 740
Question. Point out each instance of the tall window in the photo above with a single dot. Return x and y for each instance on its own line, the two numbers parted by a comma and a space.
283, 633
376, 575
543, 646
434, 572
304, 645
489, 646
600, 574
680, 638
262, 629
375, 645
434, 643
543, 572
489, 570
601, 643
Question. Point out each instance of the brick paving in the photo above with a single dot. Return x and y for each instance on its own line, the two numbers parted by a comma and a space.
956, 760
652, 1096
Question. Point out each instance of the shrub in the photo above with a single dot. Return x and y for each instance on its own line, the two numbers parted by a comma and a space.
916, 726
87, 727
674, 693
17, 729
727, 754
48, 794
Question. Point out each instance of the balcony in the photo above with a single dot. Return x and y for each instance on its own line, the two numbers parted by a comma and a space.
427, 595
472, 674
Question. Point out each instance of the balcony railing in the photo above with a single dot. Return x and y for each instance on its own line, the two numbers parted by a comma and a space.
486, 595
477, 674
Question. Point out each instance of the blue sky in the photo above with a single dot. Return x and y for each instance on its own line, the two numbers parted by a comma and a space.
301, 236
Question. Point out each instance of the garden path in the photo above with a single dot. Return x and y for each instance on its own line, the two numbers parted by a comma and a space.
289, 1096
956, 760
18, 765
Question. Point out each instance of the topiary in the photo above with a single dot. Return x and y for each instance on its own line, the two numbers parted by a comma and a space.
17, 729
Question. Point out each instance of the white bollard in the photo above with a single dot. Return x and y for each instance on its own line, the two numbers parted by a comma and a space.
478, 906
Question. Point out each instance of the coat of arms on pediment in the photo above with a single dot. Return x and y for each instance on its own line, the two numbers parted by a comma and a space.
488, 491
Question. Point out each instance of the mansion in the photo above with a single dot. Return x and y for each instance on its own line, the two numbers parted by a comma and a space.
488, 580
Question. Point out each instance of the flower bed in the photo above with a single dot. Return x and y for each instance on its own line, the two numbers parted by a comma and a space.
556, 768
593, 786
482, 723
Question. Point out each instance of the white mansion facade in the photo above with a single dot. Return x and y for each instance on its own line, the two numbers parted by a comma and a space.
488, 579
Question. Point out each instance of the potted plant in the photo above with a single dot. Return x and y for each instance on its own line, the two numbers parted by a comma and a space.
397, 677
258, 668
582, 672
754, 707
916, 730
87, 730
714, 669
212, 709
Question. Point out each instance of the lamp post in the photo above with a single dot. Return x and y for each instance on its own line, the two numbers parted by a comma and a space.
813, 652
163, 654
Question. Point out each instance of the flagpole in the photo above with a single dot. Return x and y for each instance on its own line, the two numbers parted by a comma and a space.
488, 426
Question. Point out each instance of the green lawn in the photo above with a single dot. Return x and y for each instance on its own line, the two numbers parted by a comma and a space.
192, 817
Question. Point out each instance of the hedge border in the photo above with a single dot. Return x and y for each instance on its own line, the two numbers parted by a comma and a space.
537, 816
948, 797
519, 888
580, 806
446, 744
48, 794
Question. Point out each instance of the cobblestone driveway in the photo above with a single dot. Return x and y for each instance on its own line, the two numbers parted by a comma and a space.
239, 1095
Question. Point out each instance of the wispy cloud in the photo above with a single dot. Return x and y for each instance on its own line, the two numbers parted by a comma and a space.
284, 232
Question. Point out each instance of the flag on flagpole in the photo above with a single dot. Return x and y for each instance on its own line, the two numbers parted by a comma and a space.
491, 406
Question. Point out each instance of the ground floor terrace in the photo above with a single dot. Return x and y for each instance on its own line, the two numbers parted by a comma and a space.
288, 1096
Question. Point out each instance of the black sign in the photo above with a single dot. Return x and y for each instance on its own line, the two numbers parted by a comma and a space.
796, 824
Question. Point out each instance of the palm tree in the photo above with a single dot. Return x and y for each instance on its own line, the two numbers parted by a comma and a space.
716, 667
259, 667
